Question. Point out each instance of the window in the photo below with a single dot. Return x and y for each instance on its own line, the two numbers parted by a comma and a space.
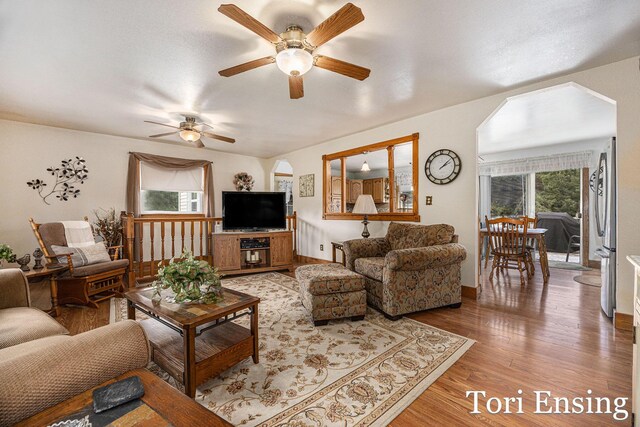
508, 195
153, 201
165, 190
387, 171
558, 191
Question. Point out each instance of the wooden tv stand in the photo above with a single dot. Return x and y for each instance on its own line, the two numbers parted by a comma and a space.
232, 256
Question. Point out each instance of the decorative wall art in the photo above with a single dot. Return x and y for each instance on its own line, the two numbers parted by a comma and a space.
243, 181
70, 173
307, 185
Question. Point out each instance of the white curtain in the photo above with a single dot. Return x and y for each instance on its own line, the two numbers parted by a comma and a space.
537, 164
163, 179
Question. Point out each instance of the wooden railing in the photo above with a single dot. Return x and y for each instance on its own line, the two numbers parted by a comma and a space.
150, 241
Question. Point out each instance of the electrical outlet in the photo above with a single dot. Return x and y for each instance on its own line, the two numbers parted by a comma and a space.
429, 200
322, 247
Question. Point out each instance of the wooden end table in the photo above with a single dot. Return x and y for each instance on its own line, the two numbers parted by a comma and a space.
162, 405
50, 273
193, 342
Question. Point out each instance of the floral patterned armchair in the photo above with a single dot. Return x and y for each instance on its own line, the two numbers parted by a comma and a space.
414, 268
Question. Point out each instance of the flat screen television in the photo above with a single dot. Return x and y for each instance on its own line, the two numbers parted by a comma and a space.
249, 210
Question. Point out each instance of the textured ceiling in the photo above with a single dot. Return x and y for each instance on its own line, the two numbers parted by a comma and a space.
107, 65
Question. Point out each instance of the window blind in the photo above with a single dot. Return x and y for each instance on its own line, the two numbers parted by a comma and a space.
165, 179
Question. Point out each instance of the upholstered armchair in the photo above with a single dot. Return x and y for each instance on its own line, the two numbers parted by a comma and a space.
413, 268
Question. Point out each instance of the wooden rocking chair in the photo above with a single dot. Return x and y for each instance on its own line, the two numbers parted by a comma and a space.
85, 285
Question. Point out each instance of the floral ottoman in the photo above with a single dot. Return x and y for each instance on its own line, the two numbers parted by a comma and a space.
331, 291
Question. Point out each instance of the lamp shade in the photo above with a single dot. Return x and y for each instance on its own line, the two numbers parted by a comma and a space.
365, 205
189, 135
294, 61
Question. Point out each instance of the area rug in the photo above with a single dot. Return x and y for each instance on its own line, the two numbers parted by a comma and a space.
590, 280
344, 374
567, 266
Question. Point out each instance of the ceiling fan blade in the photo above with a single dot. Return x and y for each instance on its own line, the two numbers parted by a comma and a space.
296, 87
162, 134
198, 144
220, 137
341, 67
346, 17
205, 124
243, 18
162, 124
247, 66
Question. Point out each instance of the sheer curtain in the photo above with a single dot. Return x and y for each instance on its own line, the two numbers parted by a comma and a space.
172, 171
537, 164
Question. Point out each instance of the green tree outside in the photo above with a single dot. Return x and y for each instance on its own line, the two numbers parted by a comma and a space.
558, 191
166, 201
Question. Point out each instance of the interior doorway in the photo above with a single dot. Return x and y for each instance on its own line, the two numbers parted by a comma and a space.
282, 180
538, 157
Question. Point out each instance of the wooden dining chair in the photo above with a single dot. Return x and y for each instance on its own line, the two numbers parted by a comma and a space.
532, 222
507, 240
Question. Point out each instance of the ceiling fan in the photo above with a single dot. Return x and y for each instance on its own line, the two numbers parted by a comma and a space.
189, 133
294, 49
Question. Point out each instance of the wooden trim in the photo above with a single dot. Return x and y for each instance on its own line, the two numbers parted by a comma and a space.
471, 292
584, 238
623, 321
288, 175
594, 264
392, 175
343, 184
172, 215
416, 175
396, 216
371, 147
310, 260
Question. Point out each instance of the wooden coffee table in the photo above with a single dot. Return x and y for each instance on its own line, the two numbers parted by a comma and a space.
193, 342
162, 405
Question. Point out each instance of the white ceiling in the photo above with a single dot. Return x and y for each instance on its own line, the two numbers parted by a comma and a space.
107, 65
555, 115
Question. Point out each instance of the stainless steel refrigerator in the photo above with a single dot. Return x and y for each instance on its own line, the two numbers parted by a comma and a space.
606, 216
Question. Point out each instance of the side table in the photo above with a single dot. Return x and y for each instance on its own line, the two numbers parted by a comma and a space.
50, 273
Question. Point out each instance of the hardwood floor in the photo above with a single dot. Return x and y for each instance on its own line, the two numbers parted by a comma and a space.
530, 337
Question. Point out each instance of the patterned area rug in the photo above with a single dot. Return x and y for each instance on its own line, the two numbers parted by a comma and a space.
343, 374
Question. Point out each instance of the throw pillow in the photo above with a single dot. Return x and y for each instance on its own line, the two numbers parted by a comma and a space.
87, 255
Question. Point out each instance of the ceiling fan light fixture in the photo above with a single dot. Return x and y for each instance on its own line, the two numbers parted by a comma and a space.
189, 135
294, 61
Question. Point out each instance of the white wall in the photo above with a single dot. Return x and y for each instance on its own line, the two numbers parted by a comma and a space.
27, 150
455, 203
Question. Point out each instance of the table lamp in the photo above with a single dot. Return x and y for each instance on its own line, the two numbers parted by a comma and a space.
365, 205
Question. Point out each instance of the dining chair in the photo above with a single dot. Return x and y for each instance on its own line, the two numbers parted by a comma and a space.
507, 240
532, 222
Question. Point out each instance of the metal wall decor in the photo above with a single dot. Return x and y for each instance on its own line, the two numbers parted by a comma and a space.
70, 173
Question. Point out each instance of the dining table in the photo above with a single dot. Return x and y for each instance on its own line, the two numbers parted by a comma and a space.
534, 233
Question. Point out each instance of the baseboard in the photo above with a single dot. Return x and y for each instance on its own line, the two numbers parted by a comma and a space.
623, 321
310, 260
594, 264
471, 292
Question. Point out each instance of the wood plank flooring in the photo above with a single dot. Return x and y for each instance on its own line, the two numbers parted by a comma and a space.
533, 337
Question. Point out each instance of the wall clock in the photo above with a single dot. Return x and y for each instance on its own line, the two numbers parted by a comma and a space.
442, 167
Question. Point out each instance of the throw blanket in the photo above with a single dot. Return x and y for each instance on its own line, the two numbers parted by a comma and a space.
78, 234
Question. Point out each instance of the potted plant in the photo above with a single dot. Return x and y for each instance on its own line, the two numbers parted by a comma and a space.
6, 254
190, 280
108, 225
